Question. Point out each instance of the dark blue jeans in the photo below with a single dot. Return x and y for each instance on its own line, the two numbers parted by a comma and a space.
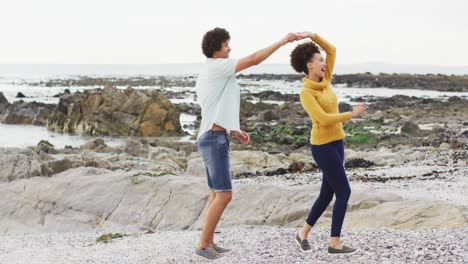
330, 158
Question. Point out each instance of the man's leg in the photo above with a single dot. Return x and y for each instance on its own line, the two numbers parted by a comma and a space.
213, 215
219, 180
210, 201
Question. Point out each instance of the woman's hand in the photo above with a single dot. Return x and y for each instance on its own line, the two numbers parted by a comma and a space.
359, 110
243, 136
290, 37
305, 34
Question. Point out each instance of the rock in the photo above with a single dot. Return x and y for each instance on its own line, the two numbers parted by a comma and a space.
119, 160
286, 140
44, 160
344, 107
246, 163
18, 164
410, 128
454, 99
20, 95
268, 115
168, 156
296, 166
3, 103
97, 145
444, 145
297, 159
26, 113
112, 111
378, 116
186, 147
62, 204
195, 166
135, 148
66, 91
358, 163
57, 166
248, 109
405, 81
275, 96
255, 162
392, 115
46, 147
25, 163
381, 157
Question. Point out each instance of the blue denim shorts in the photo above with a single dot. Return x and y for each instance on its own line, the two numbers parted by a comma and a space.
214, 149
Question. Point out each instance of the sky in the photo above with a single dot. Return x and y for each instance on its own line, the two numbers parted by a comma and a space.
155, 32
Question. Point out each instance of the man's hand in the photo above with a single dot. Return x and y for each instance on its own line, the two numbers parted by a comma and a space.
243, 136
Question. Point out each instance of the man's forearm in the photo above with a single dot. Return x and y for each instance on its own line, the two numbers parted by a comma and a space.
263, 54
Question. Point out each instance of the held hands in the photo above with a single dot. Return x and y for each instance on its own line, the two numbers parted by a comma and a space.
305, 34
243, 136
359, 110
290, 37
294, 36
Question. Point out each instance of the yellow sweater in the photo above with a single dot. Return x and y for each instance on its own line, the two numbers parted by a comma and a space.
321, 103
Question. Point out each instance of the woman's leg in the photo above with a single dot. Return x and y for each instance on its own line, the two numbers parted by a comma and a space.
322, 201
340, 149
330, 162
337, 177
335, 241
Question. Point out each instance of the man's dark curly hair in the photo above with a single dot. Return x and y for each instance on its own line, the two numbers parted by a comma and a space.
302, 54
213, 39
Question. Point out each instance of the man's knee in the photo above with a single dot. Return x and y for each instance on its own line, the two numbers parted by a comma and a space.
212, 194
224, 197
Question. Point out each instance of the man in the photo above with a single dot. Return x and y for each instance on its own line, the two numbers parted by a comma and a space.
219, 97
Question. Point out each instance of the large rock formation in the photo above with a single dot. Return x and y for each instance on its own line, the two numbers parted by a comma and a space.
25, 163
84, 199
44, 160
251, 163
116, 112
24, 113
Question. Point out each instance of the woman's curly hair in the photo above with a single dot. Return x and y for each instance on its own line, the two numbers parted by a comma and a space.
213, 40
302, 54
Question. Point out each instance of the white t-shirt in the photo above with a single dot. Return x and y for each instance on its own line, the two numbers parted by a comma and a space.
218, 95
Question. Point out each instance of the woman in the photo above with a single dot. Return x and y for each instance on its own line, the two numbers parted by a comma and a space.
219, 97
320, 102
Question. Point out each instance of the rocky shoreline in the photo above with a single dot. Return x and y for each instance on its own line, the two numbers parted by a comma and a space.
437, 82
391, 122
46, 184
406, 161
